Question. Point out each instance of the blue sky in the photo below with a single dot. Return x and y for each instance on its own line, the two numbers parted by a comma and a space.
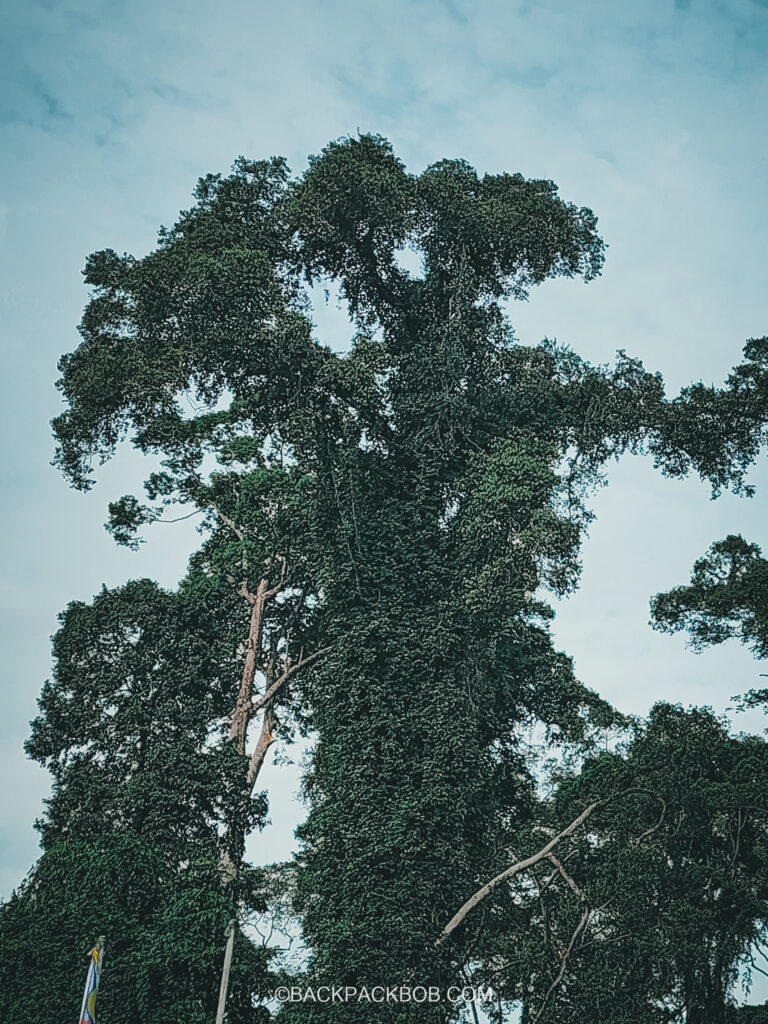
649, 111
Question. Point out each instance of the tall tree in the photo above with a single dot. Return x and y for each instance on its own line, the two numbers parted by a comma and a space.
388, 514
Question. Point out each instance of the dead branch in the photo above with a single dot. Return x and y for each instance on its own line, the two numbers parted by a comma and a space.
514, 869
231, 524
653, 828
242, 713
528, 862
284, 677
283, 576
572, 884
265, 741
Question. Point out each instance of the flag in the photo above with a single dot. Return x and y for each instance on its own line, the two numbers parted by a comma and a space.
88, 1012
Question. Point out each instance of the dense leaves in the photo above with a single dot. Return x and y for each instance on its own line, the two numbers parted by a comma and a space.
164, 937
141, 678
670, 869
383, 519
727, 597
134, 830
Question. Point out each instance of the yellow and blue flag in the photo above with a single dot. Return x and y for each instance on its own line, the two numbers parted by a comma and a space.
88, 1012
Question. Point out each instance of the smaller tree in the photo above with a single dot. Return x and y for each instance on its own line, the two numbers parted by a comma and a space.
641, 892
145, 794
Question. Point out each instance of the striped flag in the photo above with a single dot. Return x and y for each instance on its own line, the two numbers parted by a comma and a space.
88, 1012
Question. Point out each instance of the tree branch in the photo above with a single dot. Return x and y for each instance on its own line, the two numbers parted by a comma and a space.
564, 955
543, 853
514, 869
653, 828
585, 918
231, 524
283, 576
265, 741
284, 677
561, 868
242, 713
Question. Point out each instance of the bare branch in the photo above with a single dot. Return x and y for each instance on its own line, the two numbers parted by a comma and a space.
560, 867
564, 955
243, 591
242, 712
231, 524
180, 519
543, 853
283, 576
653, 828
265, 741
284, 677
514, 869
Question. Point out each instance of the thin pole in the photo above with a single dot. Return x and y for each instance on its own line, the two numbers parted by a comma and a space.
230, 933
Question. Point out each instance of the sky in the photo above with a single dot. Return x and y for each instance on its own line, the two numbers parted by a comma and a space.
651, 112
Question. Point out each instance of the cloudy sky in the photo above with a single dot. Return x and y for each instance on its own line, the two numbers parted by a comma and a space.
649, 111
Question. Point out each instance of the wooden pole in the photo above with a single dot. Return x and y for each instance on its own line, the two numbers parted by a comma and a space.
230, 933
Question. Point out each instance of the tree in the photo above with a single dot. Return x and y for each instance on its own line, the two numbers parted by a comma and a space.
388, 514
652, 896
137, 822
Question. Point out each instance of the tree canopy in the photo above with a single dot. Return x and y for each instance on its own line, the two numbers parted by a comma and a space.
383, 520
727, 597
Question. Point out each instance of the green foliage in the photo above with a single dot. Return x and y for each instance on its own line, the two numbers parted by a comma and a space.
719, 432
134, 830
748, 1014
671, 868
727, 597
141, 678
164, 931
411, 499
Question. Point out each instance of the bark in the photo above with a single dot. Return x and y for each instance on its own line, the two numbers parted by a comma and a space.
247, 705
283, 678
544, 852
265, 741
242, 714
253, 656
564, 955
